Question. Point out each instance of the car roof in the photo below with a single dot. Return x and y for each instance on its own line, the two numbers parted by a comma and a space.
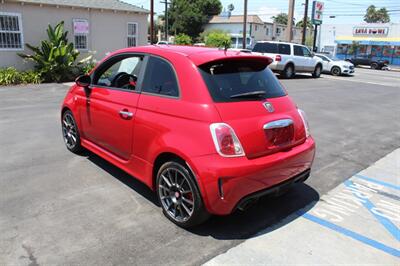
197, 54
279, 42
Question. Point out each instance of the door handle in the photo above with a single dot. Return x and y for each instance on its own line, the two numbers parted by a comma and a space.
125, 114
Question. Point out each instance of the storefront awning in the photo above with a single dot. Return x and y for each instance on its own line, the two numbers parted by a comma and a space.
368, 40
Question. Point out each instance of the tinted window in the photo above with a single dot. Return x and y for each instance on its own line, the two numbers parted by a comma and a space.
298, 50
284, 48
306, 52
120, 73
160, 78
266, 47
323, 57
227, 80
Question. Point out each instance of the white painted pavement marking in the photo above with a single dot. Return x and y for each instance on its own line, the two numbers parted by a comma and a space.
356, 223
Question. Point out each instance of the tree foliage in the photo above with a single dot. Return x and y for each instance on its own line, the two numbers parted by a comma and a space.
301, 23
374, 15
189, 16
281, 18
183, 39
54, 58
217, 38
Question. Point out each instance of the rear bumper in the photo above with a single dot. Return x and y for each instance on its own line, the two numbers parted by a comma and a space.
225, 182
276, 66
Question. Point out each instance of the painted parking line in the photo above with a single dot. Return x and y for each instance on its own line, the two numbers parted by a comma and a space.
355, 223
385, 184
382, 218
352, 234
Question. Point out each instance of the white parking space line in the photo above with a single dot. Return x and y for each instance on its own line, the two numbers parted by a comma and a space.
393, 83
355, 223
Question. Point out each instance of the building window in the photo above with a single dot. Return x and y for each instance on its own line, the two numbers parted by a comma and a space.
267, 31
11, 37
81, 41
132, 34
256, 27
81, 31
278, 31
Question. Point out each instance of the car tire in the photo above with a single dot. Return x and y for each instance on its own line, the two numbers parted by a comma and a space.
336, 71
317, 71
374, 65
288, 72
179, 195
70, 132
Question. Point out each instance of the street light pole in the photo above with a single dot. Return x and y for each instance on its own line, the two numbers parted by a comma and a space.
244, 25
151, 21
166, 19
289, 33
303, 37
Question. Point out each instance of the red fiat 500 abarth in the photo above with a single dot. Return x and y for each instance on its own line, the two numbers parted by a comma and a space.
208, 130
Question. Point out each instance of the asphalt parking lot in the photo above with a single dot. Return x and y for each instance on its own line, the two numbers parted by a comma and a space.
59, 208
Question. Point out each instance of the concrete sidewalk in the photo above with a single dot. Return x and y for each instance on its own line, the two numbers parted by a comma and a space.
355, 223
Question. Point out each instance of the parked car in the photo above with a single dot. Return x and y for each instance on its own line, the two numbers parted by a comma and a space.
237, 41
335, 66
289, 58
366, 61
208, 130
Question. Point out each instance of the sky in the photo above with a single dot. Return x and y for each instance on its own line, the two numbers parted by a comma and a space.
345, 11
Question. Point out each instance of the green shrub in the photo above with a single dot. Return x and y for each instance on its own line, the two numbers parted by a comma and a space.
183, 39
54, 58
10, 76
217, 38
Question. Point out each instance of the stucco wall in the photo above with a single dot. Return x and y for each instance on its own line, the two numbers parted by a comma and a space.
107, 29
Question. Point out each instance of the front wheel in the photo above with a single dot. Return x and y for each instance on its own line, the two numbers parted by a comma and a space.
335, 71
70, 132
317, 71
179, 195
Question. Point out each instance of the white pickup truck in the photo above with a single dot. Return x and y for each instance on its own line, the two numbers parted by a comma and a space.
289, 58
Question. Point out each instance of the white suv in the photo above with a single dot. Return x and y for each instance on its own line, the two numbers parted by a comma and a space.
289, 58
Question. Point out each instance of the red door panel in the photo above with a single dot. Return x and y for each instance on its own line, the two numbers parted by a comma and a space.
107, 117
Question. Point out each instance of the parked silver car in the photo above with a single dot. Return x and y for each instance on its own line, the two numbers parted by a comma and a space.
335, 66
290, 58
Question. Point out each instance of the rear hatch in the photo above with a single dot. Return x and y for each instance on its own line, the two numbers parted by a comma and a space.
252, 101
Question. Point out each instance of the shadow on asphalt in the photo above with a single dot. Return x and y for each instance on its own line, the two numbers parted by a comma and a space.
266, 213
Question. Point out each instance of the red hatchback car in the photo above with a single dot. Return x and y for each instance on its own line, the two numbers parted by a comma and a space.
208, 130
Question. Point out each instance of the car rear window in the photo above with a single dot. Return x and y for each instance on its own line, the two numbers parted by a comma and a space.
266, 47
228, 80
284, 48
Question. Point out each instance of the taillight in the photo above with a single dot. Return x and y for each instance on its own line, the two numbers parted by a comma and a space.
278, 58
225, 140
305, 122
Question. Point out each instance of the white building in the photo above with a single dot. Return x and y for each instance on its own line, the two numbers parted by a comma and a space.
375, 40
257, 29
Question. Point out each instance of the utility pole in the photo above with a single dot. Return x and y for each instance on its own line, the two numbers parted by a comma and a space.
244, 25
151, 21
166, 18
315, 38
303, 38
289, 33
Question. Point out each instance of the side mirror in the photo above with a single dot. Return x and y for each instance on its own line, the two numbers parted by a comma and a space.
312, 54
83, 81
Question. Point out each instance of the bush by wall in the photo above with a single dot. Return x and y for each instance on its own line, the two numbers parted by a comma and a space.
183, 39
11, 76
217, 38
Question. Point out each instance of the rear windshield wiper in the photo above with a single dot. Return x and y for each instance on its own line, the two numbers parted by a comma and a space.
249, 94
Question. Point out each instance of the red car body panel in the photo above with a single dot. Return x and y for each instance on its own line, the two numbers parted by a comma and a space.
181, 126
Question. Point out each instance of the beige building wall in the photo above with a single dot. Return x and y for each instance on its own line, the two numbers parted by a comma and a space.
107, 29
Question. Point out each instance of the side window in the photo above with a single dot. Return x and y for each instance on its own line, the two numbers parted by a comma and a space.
284, 48
160, 78
323, 58
122, 73
306, 52
298, 50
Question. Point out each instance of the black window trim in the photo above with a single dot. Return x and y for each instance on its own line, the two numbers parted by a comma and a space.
176, 78
111, 60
